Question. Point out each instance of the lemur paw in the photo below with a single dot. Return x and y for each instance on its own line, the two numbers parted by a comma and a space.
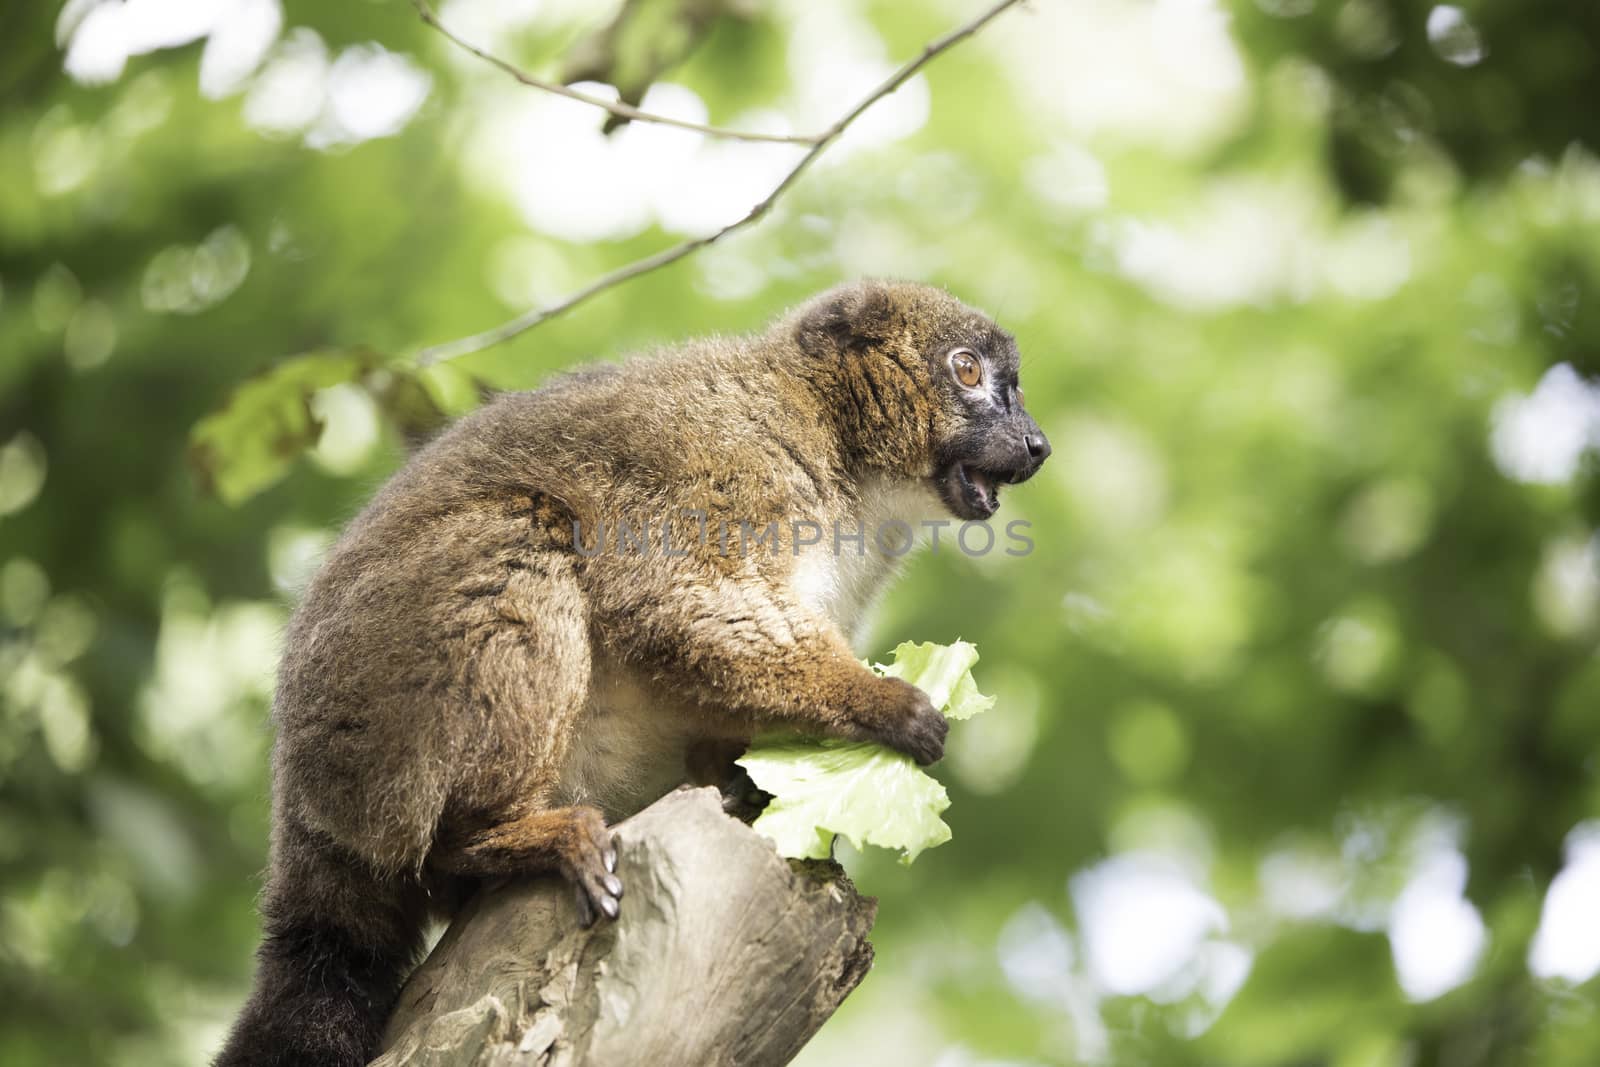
591, 866
742, 798
907, 721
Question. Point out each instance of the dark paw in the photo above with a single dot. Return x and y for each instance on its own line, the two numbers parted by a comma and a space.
907, 721
591, 866
742, 798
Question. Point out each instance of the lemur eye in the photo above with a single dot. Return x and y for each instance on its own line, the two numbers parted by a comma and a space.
964, 364
1020, 399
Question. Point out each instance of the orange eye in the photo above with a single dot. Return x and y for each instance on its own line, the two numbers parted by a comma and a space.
965, 366
1020, 399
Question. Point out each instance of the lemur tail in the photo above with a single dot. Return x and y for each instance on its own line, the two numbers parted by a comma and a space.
339, 941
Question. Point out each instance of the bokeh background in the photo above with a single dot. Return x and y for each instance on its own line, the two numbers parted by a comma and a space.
1294, 762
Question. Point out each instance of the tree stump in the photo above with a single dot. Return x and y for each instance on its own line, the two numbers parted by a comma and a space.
725, 953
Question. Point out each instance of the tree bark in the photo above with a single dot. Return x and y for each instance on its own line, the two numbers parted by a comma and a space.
725, 953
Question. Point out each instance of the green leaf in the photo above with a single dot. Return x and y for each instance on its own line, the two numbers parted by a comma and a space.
268, 422
870, 794
408, 403
944, 672
453, 390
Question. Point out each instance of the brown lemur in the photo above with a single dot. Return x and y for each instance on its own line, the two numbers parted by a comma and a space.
478, 680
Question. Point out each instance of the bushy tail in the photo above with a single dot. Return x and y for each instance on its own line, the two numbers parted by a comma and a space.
338, 943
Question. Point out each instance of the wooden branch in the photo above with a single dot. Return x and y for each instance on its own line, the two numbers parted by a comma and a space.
725, 953
620, 109
529, 319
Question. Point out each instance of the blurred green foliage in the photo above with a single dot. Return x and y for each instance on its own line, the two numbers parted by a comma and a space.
1488, 84
1307, 646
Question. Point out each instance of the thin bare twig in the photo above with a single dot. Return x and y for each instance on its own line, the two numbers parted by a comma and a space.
529, 319
616, 107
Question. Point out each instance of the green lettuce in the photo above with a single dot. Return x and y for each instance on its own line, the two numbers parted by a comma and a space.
872, 795
944, 672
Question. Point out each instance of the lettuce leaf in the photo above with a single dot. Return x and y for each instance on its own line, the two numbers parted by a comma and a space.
870, 794
944, 672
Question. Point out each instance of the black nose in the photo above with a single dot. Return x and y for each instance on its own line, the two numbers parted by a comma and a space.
1038, 447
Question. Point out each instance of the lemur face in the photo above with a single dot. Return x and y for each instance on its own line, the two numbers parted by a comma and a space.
931, 387
991, 440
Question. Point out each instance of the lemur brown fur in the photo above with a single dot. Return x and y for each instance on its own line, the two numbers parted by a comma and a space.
469, 690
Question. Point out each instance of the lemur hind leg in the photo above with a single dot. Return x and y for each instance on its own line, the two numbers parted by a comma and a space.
525, 690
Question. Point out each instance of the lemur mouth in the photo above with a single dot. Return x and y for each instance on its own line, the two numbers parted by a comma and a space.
971, 492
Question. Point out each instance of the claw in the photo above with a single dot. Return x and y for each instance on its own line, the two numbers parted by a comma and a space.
588, 863
586, 912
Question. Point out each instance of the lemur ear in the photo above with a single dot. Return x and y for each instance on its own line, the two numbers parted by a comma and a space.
850, 317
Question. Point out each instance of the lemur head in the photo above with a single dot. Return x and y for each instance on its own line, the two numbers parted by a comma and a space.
923, 387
